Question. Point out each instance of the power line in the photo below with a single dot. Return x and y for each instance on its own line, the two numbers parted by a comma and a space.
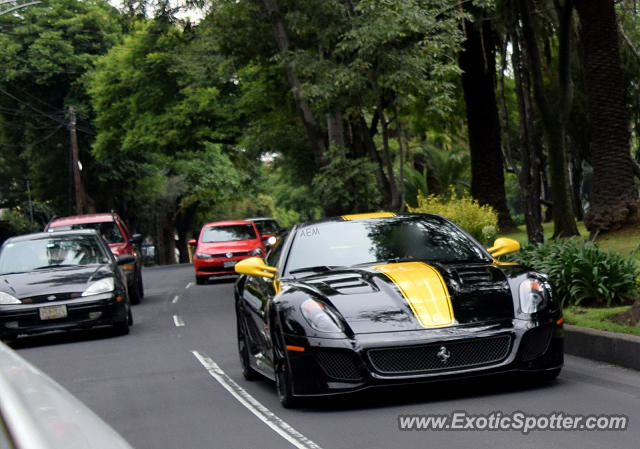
61, 122
47, 137
44, 114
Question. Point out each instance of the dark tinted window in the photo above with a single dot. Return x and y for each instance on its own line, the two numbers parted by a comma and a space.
267, 226
230, 233
108, 229
274, 253
28, 255
361, 242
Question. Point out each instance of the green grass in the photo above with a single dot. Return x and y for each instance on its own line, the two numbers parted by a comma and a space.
521, 234
624, 242
597, 318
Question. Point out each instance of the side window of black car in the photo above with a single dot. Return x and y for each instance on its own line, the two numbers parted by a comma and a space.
274, 253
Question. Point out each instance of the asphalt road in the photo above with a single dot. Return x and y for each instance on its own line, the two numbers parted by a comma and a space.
174, 382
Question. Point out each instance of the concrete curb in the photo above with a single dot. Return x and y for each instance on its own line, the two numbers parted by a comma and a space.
609, 347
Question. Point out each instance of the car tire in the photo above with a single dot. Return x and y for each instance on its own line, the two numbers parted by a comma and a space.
140, 286
130, 317
135, 295
201, 280
284, 384
243, 352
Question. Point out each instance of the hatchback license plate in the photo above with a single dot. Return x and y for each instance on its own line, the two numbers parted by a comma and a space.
229, 264
53, 312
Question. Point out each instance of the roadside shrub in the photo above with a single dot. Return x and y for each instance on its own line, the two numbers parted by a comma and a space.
479, 221
14, 223
582, 272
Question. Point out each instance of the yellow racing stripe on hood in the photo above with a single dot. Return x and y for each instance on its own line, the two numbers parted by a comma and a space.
424, 290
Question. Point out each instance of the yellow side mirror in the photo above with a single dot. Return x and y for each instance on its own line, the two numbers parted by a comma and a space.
255, 266
502, 246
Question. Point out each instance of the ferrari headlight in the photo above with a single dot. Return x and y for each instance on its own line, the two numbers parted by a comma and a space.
535, 295
203, 256
105, 285
6, 298
319, 317
256, 252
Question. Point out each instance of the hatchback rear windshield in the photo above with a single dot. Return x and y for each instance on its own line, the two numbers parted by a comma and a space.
108, 229
230, 233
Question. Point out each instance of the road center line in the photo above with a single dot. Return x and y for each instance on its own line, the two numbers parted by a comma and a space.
175, 299
178, 321
189, 284
254, 406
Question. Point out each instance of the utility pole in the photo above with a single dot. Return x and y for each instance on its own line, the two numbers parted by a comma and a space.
30, 202
77, 182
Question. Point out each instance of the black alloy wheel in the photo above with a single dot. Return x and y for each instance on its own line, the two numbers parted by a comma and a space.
284, 384
243, 352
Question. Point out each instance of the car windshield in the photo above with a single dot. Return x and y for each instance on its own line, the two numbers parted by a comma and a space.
108, 229
347, 243
43, 253
212, 234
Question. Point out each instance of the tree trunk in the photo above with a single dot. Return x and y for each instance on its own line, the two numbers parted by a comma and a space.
165, 241
615, 198
393, 186
183, 220
335, 130
372, 151
401, 148
563, 217
529, 178
388, 161
477, 61
302, 105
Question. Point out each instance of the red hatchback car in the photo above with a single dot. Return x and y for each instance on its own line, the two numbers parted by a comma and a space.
224, 243
120, 240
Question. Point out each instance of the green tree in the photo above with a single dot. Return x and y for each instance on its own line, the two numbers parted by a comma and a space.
478, 65
162, 112
46, 49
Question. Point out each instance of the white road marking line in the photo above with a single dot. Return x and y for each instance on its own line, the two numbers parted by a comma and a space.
189, 284
254, 406
175, 299
178, 321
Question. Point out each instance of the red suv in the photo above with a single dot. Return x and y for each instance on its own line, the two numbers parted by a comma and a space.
224, 243
119, 238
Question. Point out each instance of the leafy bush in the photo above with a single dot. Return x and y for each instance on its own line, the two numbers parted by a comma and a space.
583, 273
14, 223
479, 221
347, 185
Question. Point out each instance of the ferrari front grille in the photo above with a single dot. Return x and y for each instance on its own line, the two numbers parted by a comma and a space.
443, 356
339, 365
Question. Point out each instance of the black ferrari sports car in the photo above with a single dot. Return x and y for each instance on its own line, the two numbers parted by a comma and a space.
379, 299
62, 280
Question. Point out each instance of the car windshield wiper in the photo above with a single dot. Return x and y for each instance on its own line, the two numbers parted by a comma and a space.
44, 267
316, 269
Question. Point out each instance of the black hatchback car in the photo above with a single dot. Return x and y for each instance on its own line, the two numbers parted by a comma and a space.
62, 280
